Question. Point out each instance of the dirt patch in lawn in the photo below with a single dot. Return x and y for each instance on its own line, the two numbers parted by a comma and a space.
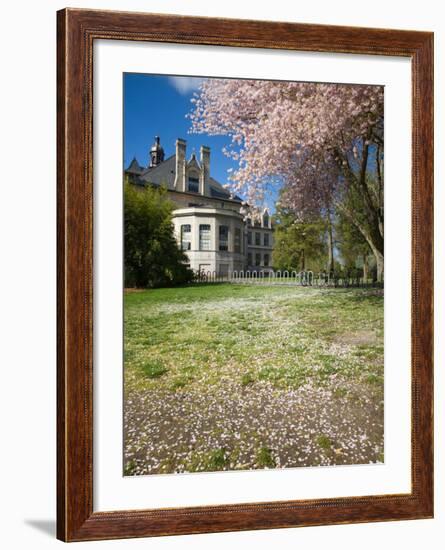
359, 338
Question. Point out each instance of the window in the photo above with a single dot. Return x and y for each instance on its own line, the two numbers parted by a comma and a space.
249, 237
257, 239
223, 237
237, 245
194, 184
186, 237
265, 220
204, 237
257, 259
266, 260
249, 258
266, 239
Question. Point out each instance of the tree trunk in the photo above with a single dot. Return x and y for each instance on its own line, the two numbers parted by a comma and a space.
372, 228
373, 238
365, 268
330, 266
380, 266
377, 255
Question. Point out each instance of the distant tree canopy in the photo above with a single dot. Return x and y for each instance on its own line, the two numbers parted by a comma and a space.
355, 252
299, 245
309, 244
152, 257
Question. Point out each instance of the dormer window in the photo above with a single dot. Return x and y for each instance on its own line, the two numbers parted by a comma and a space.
193, 184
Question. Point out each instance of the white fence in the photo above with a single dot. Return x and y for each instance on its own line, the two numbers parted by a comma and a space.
297, 278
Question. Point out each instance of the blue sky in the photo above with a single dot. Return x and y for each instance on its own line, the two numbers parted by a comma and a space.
156, 105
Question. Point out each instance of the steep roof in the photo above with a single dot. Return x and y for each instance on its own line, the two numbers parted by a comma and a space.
218, 191
134, 167
165, 172
193, 162
162, 174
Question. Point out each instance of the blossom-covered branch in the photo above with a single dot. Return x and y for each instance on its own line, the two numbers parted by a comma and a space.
317, 141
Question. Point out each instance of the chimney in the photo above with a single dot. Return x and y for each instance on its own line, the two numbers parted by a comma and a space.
205, 171
180, 165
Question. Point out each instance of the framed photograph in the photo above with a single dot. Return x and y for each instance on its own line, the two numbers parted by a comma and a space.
245, 275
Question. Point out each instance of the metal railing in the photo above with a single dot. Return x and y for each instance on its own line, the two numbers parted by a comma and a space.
289, 278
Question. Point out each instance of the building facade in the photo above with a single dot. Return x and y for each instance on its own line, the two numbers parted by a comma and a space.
211, 225
259, 243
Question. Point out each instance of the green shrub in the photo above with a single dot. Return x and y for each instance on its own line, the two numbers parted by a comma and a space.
152, 257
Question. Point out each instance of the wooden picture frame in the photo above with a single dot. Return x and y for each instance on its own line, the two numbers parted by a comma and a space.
77, 31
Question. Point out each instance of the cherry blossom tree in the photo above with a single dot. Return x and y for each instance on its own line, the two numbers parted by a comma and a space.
322, 143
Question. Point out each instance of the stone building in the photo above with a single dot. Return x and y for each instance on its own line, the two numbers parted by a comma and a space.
259, 243
209, 224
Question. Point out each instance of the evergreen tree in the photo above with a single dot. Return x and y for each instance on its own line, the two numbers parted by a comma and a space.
152, 257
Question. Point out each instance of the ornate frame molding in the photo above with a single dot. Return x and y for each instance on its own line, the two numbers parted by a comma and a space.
77, 30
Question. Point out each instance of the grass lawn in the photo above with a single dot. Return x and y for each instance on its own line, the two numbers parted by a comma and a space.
225, 376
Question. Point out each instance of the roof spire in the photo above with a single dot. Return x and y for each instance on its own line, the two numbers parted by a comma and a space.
156, 153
